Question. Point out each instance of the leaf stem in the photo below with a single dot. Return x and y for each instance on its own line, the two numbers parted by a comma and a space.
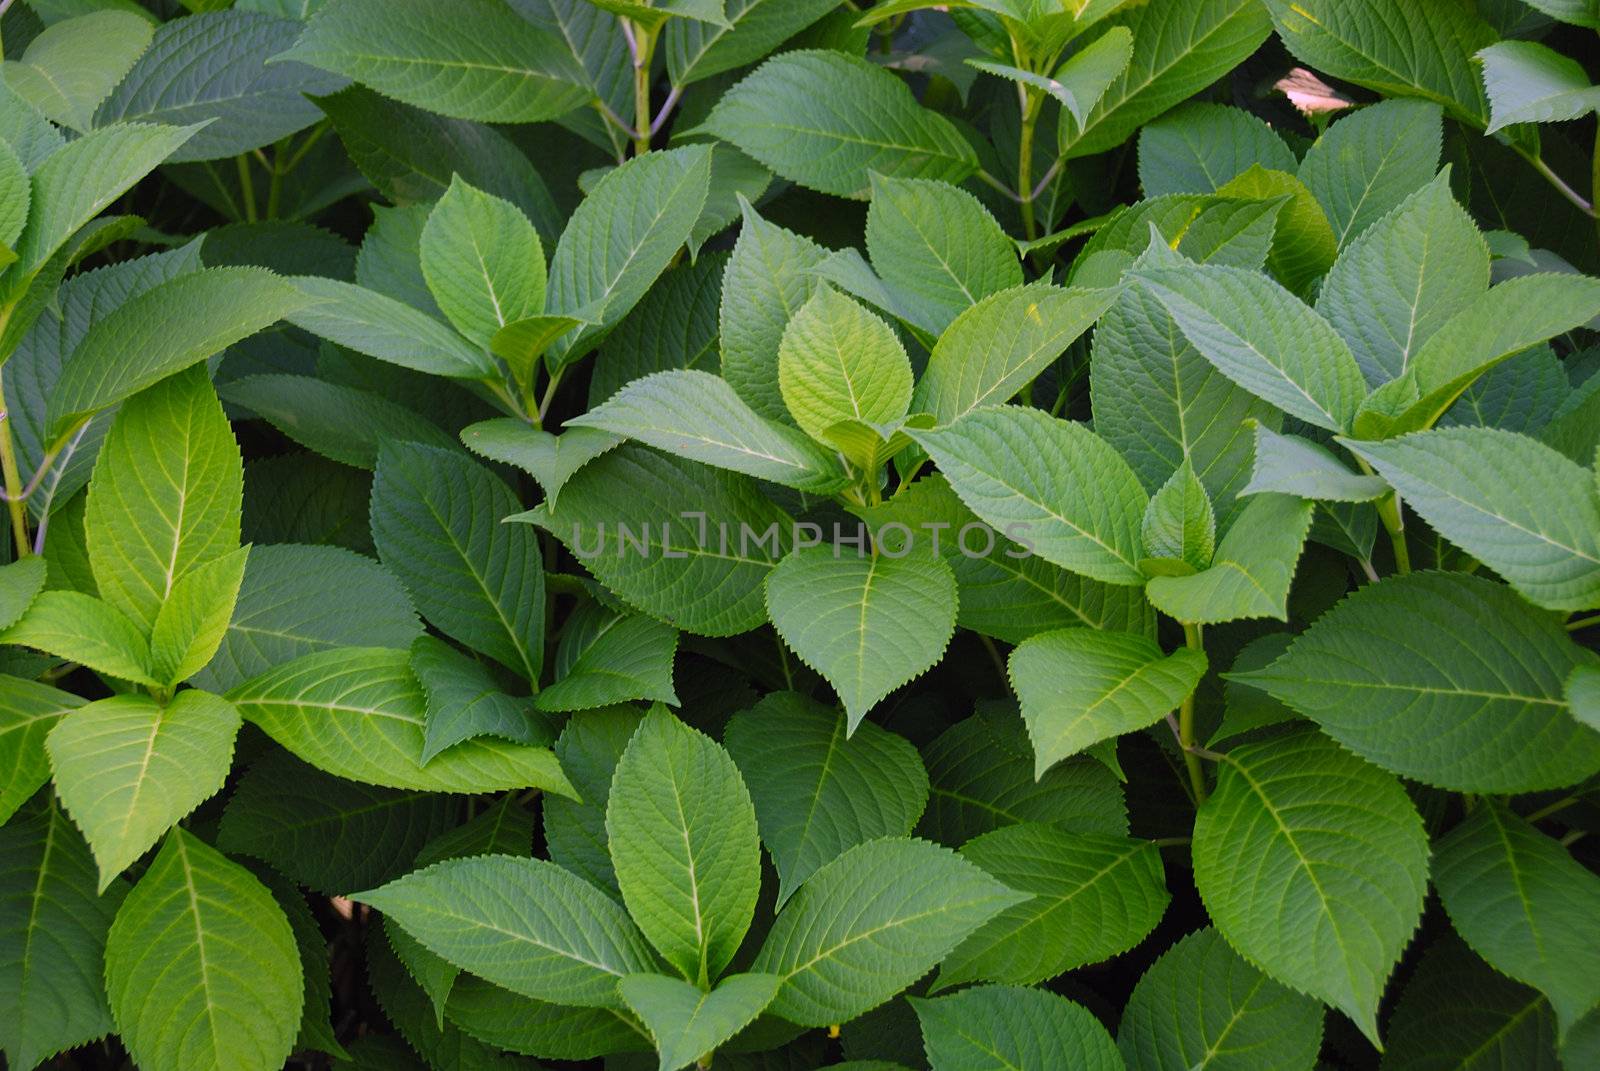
1392, 514
1551, 808
1561, 187
999, 663
642, 46
994, 183
13, 479
1191, 752
306, 146
247, 187
1583, 623
1031, 101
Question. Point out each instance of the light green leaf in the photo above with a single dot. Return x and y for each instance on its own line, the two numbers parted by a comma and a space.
359, 713
689, 1023
28, 710
828, 121
1290, 465
1262, 337
190, 625
839, 362
867, 623
621, 238
523, 924
1093, 897
436, 521
213, 68
1051, 482
1080, 686
1402, 48
53, 927
1083, 79
912, 902
128, 768
550, 459
1520, 507
819, 789
702, 574
1201, 1006
1009, 1028
624, 657
1395, 285
140, 342
81, 628
20, 584
1251, 572
298, 599
1179, 530
483, 262
74, 64
769, 279
1303, 244
1531, 83
523, 342
1366, 164
1577, 12
652, 14
1199, 147
697, 415
1583, 695
464, 702
682, 836
1523, 904
379, 326
1378, 684
14, 200
201, 965
477, 60
698, 49
998, 346
1335, 846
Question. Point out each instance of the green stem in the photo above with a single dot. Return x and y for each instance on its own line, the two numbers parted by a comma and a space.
247, 187
13, 477
1191, 759
1583, 623
274, 190
1556, 181
644, 48
306, 146
1032, 102
1389, 511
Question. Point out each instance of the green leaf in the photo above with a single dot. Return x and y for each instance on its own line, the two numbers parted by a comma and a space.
1530, 83
1290, 465
28, 711
483, 262
575, 829
838, 362
1517, 505
624, 657
1303, 245
688, 1023
993, 1028
316, 1028
53, 927
81, 628
769, 278
550, 1031
379, 326
128, 768
682, 834
937, 248
298, 599
327, 832
551, 460
15, 196
1200, 1005
190, 625
29, 134
827, 121
697, 49
478, 60
73, 65
1179, 530
214, 68
1582, 691
1262, 337
1377, 683
673, 326
1053, 483
1251, 572
1520, 901
522, 343
359, 713
1200, 147
1402, 48
465, 702
341, 423
702, 574
201, 965
867, 623
1335, 845
621, 238
819, 789
912, 902
1001, 344
652, 14
1366, 164
1083, 79
1577, 12
697, 415
1080, 686
20, 584
1395, 285
523, 924
982, 775
436, 521
1093, 897
141, 343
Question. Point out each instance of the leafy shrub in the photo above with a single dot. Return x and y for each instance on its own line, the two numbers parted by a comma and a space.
763, 533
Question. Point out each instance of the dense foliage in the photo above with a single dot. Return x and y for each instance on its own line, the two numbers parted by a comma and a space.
773, 534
